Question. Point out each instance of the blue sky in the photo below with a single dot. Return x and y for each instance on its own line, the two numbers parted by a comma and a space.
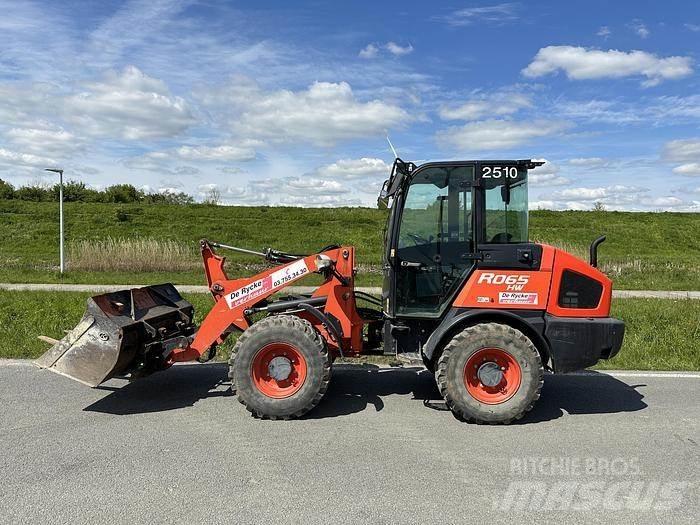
290, 102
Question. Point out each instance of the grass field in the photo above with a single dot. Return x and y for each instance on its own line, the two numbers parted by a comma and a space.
643, 251
660, 334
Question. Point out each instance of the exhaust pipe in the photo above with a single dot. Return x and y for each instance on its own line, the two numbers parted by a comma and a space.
593, 251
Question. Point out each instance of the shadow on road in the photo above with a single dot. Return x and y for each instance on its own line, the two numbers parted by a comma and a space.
584, 394
355, 388
178, 387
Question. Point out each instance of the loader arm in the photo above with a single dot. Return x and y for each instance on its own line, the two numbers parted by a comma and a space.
235, 299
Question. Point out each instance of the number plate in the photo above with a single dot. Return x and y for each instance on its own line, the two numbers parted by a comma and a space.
496, 172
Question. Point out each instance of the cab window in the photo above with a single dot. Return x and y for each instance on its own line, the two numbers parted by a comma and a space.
434, 238
506, 217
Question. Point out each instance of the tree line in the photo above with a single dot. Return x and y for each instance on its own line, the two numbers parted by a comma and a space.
74, 191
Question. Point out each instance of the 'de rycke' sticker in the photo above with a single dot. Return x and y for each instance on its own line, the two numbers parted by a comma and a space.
517, 298
264, 286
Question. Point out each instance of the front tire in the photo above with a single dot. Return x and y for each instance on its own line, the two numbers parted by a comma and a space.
280, 367
490, 373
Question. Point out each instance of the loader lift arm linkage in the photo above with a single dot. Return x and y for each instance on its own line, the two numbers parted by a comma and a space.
235, 299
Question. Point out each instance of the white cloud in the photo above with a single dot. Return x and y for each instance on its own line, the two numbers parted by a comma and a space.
159, 162
300, 186
131, 24
318, 201
398, 50
287, 191
55, 140
323, 114
606, 111
547, 179
682, 150
492, 105
232, 170
369, 51
614, 193
687, 153
498, 14
548, 168
354, 169
691, 168
497, 134
543, 205
235, 195
663, 202
346, 182
581, 63
695, 28
604, 32
546, 175
226, 152
304, 186
15, 158
638, 27
129, 105
370, 187
657, 110
589, 162
618, 197
165, 160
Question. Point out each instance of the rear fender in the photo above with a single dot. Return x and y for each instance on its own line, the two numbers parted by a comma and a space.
530, 322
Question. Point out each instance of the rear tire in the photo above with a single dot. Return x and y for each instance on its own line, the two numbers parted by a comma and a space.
490, 373
277, 343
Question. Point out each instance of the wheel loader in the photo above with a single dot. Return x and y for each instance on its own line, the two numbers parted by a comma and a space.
464, 293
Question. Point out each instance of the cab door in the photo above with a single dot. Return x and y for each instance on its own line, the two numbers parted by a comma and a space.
431, 253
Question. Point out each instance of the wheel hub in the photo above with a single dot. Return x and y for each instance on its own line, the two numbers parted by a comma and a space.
490, 374
280, 368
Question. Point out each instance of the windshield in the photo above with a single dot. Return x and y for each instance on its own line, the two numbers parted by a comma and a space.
506, 220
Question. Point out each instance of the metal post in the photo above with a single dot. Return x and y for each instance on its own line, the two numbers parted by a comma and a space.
60, 213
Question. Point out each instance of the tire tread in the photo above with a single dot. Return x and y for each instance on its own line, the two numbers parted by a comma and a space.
290, 322
490, 330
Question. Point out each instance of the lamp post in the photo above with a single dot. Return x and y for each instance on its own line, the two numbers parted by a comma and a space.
60, 210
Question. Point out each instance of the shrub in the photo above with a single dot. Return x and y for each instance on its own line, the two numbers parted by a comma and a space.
7, 191
121, 215
74, 191
34, 193
123, 193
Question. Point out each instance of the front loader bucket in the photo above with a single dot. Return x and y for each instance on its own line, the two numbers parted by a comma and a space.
125, 332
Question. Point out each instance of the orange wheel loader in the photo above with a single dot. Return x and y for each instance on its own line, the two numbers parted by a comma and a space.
465, 294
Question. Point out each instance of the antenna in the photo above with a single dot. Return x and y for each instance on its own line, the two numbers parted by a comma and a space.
396, 156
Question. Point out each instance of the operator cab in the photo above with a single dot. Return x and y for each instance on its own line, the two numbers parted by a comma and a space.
446, 218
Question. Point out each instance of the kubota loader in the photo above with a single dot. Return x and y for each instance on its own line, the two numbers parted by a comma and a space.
465, 293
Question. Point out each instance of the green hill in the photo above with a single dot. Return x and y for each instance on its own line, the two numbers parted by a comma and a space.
644, 250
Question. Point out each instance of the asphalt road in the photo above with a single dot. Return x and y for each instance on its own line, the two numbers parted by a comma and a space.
178, 448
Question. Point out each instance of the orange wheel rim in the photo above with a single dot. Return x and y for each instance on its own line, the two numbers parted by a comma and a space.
278, 370
492, 376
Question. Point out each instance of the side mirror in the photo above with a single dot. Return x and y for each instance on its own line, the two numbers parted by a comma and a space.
505, 193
